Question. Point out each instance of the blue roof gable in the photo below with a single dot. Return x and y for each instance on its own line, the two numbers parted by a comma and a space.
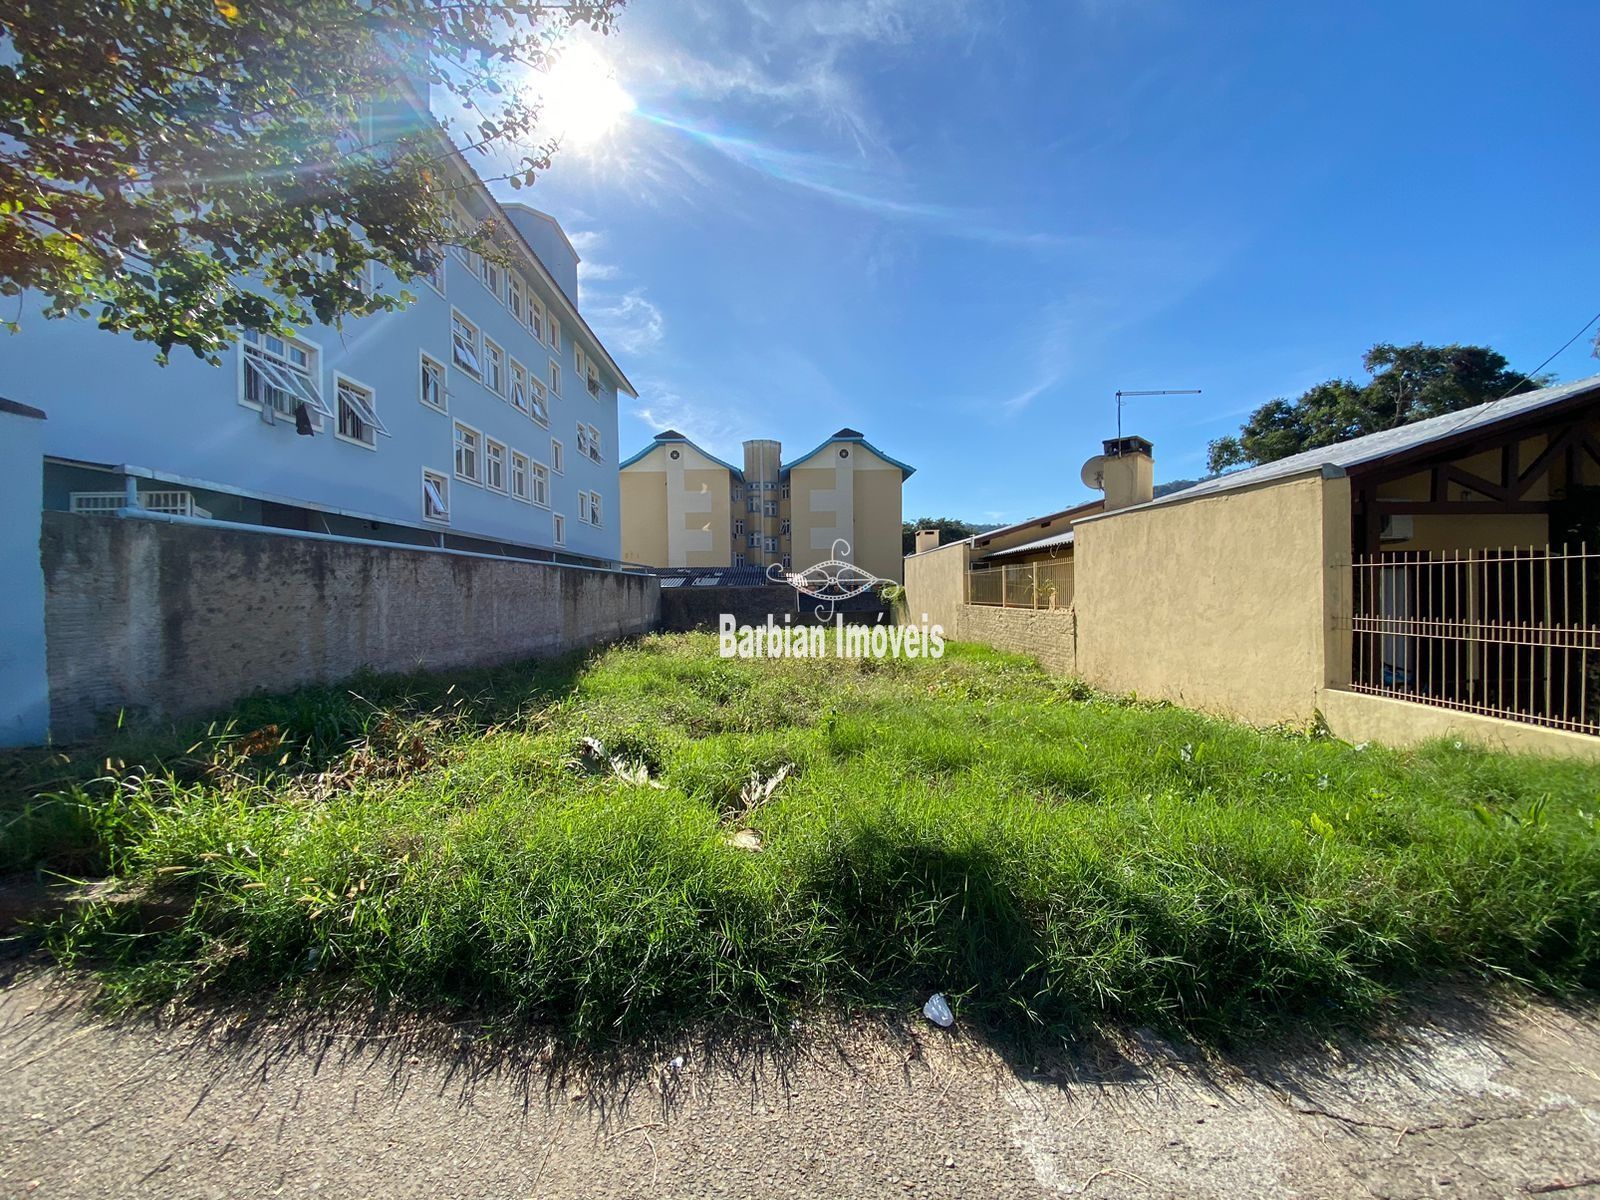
850, 435
669, 437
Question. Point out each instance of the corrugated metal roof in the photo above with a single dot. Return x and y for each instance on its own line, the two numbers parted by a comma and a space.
1374, 446
1044, 543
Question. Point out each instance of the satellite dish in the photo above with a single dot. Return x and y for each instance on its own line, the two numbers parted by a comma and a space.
1094, 473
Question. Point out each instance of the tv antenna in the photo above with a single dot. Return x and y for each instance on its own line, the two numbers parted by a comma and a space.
1157, 392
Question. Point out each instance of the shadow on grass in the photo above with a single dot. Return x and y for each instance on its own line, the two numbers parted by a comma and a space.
46, 826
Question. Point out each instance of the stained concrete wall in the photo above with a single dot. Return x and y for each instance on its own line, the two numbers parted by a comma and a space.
172, 619
1236, 604
24, 698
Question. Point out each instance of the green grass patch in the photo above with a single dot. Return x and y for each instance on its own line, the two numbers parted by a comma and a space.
1045, 855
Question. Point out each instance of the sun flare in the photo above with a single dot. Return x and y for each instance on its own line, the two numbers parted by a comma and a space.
582, 100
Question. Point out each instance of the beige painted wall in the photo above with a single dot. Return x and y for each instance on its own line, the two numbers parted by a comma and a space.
644, 523
936, 583
676, 512
857, 498
1359, 717
1230, 603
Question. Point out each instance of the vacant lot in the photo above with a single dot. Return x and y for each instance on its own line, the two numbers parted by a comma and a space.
656, 836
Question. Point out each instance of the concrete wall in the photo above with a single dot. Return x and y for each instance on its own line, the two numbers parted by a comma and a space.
936, 583
1048, 635
24, 690
1360, 717
1236, 604
687, 608
173, 619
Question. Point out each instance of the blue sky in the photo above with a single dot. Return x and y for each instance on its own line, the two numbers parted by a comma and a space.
961, 227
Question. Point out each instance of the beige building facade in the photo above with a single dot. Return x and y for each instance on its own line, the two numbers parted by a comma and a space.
1437, 579
684, 507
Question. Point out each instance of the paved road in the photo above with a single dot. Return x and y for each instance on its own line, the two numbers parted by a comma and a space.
1475, 1102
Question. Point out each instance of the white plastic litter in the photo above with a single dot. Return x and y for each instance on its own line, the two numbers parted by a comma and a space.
937, 1010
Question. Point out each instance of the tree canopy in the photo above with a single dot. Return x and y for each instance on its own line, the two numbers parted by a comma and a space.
1408, 383
181, 170
950, 530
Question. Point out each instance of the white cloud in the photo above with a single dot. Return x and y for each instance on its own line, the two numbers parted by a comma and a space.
718, 428
629, 322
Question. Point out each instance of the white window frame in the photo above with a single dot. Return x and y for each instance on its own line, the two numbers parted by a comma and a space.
770, 545
597, 450
583, 508
558, 457
752, 541
538, 484
580, 361
555, 378
494, 366
520, 471
441, 485
435, 278
784, 527
282, 374
490, 275
476, 478
738, 558
597, 515
769, 508
517, 392
583, 440
536, 323
553, 328
515, 294
489, 459
468, 357
423, 361
538, 401
364, 409
558, 529
738, 527
592, 381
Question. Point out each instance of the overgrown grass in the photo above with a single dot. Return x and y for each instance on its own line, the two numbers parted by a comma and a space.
971, 825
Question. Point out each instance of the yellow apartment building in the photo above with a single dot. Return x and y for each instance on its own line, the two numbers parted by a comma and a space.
684, 507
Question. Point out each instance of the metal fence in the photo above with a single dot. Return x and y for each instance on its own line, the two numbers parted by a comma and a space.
1030, 585
1506, 632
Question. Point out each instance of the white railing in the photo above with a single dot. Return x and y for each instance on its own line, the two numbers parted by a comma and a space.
173, 503
1511, 633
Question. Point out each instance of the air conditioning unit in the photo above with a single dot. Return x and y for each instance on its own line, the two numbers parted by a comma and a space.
1396, 528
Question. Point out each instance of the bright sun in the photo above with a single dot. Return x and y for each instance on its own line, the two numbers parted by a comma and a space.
582, 99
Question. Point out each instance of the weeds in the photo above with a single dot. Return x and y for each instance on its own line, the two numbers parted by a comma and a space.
655, 835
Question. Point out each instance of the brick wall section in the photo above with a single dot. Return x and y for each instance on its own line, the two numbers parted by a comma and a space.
687, 607
1048, 635
174, 619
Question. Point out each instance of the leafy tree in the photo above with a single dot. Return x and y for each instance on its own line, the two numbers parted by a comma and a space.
1408, 383
185, 169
